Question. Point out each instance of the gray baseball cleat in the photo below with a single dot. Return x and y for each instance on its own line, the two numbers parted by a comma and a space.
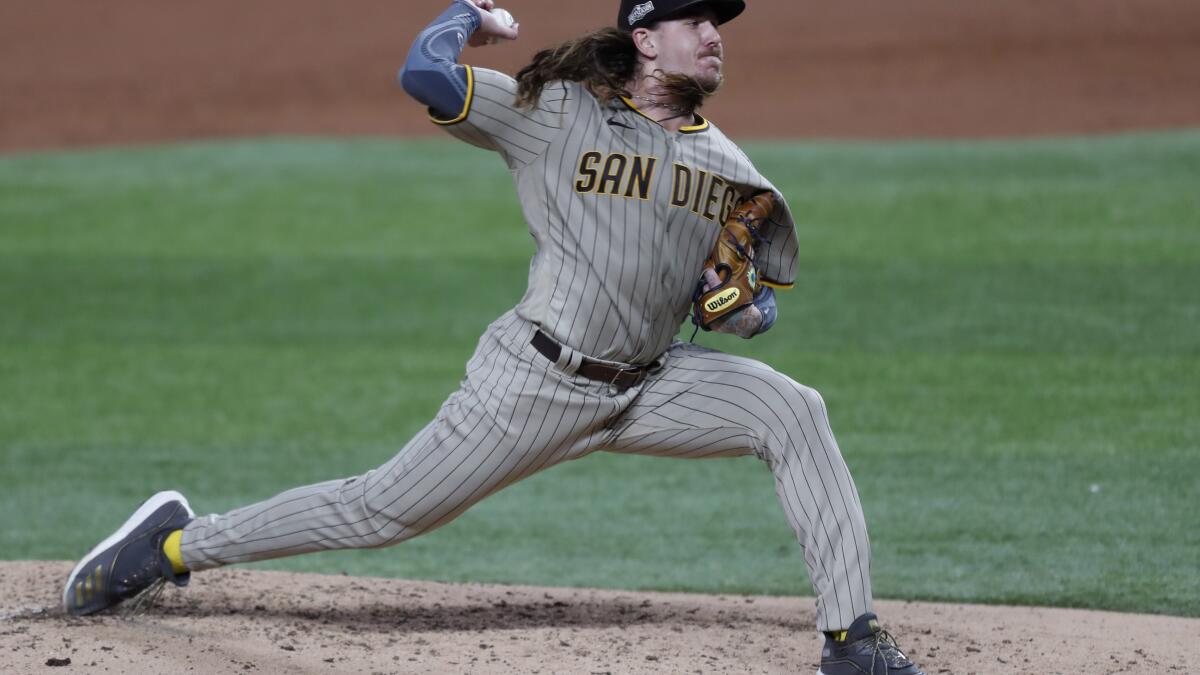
129, 561
865, 648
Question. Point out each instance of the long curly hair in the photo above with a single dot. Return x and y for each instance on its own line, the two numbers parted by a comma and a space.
604, 61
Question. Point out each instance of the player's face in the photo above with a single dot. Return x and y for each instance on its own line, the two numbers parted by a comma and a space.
691, 45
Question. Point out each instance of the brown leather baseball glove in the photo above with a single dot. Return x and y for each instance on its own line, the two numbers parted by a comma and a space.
724, 299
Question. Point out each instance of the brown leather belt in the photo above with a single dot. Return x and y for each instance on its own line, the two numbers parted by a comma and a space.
622, 378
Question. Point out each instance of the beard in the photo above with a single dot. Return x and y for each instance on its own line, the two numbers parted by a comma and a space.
687, 91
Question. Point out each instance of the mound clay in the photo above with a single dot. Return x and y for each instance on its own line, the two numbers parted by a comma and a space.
236, 621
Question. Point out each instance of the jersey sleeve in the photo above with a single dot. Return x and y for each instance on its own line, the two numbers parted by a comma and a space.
778, 255
491, 119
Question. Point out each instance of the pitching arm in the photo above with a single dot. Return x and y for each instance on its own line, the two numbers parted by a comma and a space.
431, 74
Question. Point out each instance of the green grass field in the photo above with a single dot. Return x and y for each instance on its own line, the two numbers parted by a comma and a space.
1007, 335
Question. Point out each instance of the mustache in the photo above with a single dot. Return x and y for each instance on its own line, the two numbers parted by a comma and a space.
715, 51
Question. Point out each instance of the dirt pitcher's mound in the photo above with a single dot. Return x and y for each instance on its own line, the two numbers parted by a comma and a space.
236, 621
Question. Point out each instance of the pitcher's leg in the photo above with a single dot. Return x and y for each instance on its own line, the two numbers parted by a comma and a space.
817, 492
709, 404
407, 495
511, 418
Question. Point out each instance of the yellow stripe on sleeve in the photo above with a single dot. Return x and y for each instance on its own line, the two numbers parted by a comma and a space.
466, 104
776, 284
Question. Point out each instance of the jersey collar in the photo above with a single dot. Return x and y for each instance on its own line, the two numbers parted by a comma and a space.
700, 124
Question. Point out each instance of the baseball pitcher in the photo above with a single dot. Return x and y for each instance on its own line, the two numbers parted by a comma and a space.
643, 213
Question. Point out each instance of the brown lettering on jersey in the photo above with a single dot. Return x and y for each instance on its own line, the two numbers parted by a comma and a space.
728, 202
701, 181
641, 173
632, 176
714, 188
615, 174
610, 179
587, 171
702, 195
681, 187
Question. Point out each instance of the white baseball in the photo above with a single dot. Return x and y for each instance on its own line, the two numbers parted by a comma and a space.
504, 17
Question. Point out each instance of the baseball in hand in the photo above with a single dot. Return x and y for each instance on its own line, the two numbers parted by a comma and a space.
504, 17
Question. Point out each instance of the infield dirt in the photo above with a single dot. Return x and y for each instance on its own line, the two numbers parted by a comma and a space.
233, 621
78, 73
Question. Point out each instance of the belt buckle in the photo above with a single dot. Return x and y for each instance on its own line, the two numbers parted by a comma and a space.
635, 372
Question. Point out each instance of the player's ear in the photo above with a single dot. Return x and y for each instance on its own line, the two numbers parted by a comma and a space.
643, 40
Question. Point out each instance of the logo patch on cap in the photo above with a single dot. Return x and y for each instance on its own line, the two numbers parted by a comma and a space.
640, 11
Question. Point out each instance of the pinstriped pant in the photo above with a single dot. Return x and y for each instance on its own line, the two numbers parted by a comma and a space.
515, 415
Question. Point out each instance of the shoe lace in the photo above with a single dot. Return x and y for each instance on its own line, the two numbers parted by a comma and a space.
887, 649
160, 571
139, 604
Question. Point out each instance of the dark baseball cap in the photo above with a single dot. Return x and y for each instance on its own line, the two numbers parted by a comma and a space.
640, 13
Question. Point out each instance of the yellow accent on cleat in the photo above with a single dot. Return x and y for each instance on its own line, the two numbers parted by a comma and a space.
174, 554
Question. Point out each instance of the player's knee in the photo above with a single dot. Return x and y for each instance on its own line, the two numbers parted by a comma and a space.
794, 410
803, 413
800, 399
368, 512
811, 398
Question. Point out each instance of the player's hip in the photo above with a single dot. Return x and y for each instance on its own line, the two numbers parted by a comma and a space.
509, 363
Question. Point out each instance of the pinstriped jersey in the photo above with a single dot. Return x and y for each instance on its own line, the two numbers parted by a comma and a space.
623, 212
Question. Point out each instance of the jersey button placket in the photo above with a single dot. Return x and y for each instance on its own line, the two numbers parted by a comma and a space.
663, 211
